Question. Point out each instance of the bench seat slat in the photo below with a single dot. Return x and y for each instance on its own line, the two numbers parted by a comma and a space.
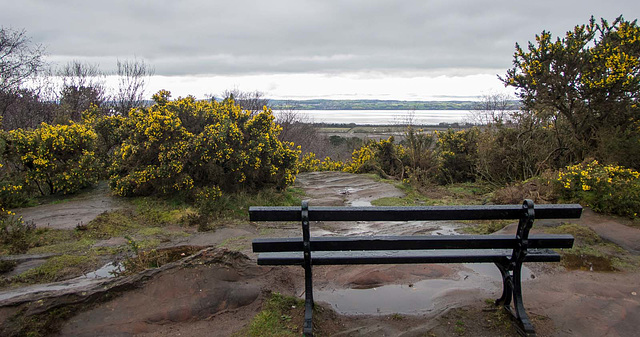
473, 212
402, 257
262, 245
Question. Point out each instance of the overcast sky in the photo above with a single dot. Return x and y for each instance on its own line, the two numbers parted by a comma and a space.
411, 50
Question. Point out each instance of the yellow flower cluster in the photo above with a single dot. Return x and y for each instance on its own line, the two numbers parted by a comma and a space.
55, 158
609, 188
309, 163
584, 176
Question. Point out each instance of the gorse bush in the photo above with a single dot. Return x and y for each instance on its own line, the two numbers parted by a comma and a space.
309, 163
383, 157
458, 154
605, 188
176, 146
53, 159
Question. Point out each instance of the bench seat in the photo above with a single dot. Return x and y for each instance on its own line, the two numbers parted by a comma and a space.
405, 257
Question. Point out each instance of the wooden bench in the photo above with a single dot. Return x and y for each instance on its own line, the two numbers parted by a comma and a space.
507, 252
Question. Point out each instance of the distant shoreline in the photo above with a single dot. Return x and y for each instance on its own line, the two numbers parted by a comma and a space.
327, 104
379, 117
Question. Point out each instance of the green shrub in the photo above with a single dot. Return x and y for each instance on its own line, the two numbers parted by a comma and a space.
605, 188
458, 153
383, 157
176, 146
54, 158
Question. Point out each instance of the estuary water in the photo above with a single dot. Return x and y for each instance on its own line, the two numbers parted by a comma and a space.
383, 117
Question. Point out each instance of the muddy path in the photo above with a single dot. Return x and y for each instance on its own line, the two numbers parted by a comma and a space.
71, 212
220, 291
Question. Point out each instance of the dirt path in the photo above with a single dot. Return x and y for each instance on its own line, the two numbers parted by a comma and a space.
67, 214
217, 295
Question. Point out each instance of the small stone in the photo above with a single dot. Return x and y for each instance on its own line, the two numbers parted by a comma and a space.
634, 293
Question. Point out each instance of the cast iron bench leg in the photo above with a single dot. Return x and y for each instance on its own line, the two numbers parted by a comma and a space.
512, 274
308, 303
525, 328
308, 285
507, 285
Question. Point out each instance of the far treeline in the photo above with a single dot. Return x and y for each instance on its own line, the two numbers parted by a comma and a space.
575, 136
358, 104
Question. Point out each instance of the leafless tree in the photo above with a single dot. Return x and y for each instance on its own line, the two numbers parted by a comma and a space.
133, 76
83, 84
494, 108
20, 61
407, 120
252, 101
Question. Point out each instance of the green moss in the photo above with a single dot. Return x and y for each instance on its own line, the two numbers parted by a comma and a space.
276, 318
59, 268
454, 194
39, 325
72, 246
111, 224
591, 252
235, 243
583, 234
235, 205
469, 189
155, 211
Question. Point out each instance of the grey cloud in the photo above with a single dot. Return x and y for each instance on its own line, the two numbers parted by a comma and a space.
240, 37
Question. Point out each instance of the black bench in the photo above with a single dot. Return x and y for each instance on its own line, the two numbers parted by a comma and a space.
507, 252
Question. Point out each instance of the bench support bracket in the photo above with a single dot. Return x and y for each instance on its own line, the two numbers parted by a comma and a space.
511, 271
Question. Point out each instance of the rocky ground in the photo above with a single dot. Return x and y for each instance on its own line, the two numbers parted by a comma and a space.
219, 290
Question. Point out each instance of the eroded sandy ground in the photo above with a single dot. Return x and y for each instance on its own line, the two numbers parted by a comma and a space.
219, 292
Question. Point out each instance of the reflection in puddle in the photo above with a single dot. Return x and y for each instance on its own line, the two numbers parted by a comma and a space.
361, 203
419, 298
108, 270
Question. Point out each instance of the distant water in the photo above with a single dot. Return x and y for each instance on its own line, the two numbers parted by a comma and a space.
383, 117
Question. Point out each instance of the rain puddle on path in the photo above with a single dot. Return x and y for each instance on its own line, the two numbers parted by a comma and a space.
422, 297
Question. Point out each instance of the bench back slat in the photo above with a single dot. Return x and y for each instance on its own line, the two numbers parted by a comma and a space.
475, 212
263, 245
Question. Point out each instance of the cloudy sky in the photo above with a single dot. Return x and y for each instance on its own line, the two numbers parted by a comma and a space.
296, 49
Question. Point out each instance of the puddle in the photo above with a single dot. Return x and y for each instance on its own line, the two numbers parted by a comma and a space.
361, 203
419, 298
422, 297
106, 271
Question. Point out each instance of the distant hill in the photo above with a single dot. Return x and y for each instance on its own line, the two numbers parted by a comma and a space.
366, 104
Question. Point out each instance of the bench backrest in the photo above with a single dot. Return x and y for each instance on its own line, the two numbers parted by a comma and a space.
525, 213
473, 212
